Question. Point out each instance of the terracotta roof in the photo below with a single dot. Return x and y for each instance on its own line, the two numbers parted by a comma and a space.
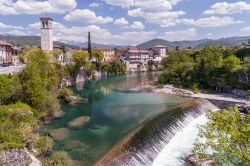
4, 43
16, 48
144, 51
133, 51
160, 46
106, 49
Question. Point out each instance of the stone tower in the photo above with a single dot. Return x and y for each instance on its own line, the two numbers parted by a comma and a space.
46, 33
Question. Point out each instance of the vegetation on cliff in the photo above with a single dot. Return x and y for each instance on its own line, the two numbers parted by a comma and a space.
225, 138
32, 96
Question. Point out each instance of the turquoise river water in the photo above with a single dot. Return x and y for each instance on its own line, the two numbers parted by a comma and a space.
114, 111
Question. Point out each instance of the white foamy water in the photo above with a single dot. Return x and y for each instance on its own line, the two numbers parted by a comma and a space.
180, 145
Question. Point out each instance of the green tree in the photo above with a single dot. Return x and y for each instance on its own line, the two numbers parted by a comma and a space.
106, 67
40, 81
54, 55
179, 67
10, 89
225, 137
210, 61
98, 55
231, 65
150, 65
81, 61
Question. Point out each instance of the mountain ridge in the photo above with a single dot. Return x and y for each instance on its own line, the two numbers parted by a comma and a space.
227, 42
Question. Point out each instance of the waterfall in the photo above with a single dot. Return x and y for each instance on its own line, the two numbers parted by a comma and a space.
181, 145
153, 142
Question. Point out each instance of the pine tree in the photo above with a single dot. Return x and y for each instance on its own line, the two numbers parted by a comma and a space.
89, 46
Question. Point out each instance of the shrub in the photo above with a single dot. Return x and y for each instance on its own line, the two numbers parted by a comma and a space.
66, 92
45, 145
225, 137
195, 88
60, 158
17, 123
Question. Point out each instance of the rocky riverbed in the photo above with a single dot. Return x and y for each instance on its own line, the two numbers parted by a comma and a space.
15, 157
194, 160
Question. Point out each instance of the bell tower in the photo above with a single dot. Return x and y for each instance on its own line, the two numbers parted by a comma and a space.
46, 33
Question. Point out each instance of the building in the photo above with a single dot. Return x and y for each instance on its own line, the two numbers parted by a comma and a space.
161, 51
46, 33
108, 54
9, 54
137, 60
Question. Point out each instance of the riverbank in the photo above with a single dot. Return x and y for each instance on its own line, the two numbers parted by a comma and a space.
170, 89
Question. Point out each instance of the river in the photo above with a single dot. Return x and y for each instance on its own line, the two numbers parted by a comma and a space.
114, 111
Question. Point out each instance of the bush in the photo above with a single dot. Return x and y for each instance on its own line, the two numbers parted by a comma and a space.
17, 123
66, 92
45, 145
59, 158
195, 88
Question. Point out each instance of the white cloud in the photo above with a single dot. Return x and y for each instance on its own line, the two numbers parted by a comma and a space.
144, 4
174, 2
163, 18
181, 35
212, 21
137, 25
99, 35
95, 5
88, 16
156, 5
17, 32
228, 8
133, 38
36, 6
245, 29
122, 3
121, 21
157, 11
5, 26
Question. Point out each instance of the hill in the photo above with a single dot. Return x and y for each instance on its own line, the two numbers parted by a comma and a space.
226, 42
29, 40
35, 40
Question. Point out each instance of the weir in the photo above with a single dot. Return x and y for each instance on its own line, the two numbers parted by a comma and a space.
143, 145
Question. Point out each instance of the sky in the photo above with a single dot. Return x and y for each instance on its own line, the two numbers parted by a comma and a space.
128, 22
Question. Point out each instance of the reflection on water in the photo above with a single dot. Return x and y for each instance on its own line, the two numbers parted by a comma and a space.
113, 113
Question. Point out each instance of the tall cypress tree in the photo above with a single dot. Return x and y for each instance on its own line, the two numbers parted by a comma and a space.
89, 46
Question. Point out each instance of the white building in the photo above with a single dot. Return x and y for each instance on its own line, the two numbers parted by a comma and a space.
161, 50
137, 60
9, 54
46, 33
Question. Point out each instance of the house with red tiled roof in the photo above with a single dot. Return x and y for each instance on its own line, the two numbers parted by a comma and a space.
9, 54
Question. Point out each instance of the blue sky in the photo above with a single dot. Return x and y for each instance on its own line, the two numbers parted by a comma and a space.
128, 22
